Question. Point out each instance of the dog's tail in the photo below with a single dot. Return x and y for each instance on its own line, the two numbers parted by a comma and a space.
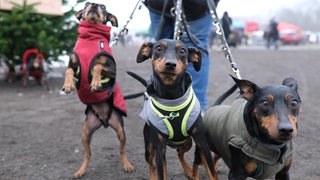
225, 95
141, 80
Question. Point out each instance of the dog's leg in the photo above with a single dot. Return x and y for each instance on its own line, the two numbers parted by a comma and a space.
215, 163
104, 67
160, 158
202, 153
45, 81
26, 79
181, 151
196, 164
208, 164
91, 124
160, 144
68, 85
116, 122
36, 65
284, 173
238, 163
96, 77
149, 151
155, 146
39, 79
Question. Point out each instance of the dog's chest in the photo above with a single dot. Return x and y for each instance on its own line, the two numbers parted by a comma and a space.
172, 118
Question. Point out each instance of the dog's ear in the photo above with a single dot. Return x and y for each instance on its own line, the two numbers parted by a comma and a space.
291, 82
145, 52
79, 14
247, 88
195, 57
113, 19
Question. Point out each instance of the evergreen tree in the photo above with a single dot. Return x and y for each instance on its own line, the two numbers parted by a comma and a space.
22, 28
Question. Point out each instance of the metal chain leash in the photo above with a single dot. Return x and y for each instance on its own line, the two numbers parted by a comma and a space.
181, 26
177, 12
220, 32
124, 29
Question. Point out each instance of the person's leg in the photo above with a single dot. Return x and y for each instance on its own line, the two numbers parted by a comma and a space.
200, 28
168, 26
268, 42
276, 44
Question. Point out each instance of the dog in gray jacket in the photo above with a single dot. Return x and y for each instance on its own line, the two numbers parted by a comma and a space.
254, 134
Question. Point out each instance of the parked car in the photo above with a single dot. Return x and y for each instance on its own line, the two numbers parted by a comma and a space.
291, 36
290, 33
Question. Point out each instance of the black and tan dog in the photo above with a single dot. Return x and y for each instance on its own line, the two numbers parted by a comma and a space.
254, 134
34, 66
92, 70
171, 110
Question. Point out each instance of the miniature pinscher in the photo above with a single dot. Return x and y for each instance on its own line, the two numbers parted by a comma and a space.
92, 70
254, 134
34, 66
171, 109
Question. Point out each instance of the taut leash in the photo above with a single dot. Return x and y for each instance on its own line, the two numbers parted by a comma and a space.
220, 32
124, 29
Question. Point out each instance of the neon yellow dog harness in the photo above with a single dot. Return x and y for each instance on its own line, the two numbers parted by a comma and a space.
172, 118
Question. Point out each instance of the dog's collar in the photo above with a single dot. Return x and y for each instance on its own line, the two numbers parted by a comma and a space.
93, 25
265, 152
91, 31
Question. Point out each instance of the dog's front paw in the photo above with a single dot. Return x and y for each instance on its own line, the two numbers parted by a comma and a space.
189, 176
193, 178
95, 84
78, 174
96, 77
128, 167
68, 86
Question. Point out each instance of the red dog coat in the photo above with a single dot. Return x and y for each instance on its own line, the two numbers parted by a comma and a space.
36, 72
93, 39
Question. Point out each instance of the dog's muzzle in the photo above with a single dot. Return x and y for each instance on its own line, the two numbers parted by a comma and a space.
170, 64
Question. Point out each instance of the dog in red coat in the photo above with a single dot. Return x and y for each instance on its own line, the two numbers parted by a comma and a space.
92, 71
34, 66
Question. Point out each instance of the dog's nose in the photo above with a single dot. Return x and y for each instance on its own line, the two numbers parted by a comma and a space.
94, 5
285, 129
170, 64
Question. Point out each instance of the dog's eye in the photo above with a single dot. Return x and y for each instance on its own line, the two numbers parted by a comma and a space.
87, 4
182, 52
158, 48
294, 103
103, 7
264, 103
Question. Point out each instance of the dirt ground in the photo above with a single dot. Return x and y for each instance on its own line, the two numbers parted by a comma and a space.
40, 131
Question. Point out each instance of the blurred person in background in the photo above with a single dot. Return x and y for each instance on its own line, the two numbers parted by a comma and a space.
226, 23
273, 34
